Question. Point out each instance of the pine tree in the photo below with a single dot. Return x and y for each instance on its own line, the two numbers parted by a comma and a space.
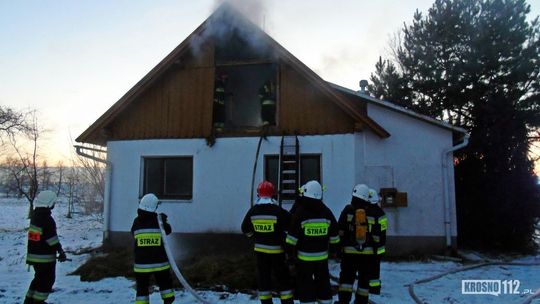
476, 64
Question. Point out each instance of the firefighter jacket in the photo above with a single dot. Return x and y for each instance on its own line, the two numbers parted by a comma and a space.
377, 224
267, 93
150, 254
267, 223
219, 91
43, 241
313, 231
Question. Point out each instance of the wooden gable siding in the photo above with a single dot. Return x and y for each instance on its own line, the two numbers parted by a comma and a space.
304, 109
177, 105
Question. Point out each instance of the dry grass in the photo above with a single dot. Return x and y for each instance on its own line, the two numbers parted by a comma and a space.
113, 263
232, 272
229, 271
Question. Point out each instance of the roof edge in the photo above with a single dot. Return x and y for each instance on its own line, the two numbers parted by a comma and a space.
400, 109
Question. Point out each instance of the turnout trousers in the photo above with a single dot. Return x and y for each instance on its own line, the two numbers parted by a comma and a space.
269, 264
367, 266
41, 285
268, 114
219, 114
164, 281
313, 281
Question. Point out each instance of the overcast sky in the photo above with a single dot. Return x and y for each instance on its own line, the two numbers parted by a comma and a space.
72, 60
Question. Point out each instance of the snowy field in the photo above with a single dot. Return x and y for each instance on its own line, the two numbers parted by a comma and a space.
85, 231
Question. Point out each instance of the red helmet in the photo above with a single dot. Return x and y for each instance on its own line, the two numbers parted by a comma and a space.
265, 189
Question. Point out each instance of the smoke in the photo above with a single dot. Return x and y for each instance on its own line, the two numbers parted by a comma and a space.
229, 18
253, 9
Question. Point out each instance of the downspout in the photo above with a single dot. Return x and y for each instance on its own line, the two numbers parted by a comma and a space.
446, 194
107, 190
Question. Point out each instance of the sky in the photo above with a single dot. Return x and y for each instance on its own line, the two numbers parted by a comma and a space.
71, 60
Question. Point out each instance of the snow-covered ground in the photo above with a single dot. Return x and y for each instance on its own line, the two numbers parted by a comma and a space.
85, 231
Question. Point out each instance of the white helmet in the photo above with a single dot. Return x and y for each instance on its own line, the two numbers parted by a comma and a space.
361, 191
311, 189
45, 199
373, 196
149, 202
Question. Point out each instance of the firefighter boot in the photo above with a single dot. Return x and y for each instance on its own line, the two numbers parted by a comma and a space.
28, 300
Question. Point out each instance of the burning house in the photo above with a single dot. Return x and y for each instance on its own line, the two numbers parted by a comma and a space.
230, 107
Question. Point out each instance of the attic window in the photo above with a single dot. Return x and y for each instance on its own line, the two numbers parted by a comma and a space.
245, 95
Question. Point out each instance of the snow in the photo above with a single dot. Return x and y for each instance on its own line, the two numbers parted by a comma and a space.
84, 231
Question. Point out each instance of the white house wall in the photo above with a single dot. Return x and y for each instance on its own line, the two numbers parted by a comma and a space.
411, 161
222, 178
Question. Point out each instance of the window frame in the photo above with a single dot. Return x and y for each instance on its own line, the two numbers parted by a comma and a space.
221, 66
164, 197
302, 156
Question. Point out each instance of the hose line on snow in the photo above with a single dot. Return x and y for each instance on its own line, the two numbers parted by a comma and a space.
465, 268
175, 267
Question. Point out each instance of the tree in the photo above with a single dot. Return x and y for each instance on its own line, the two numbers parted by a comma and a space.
60, 168
92, 172
475, 64
25, 168
12, 122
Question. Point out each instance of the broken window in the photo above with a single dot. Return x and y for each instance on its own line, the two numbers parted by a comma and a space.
245, 96
168, 178
246, 84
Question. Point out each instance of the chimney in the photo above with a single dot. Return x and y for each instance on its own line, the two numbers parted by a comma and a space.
363, 86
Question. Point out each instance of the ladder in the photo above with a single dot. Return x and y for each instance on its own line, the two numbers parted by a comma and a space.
289, 170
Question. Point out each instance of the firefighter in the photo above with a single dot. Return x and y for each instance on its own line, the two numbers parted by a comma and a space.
43, 245
378, 224
267, 224
267, 96
312, 234
359, 225
150, 256
219, 101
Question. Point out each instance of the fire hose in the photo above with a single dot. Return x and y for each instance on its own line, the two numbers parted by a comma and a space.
176, 271
465, 268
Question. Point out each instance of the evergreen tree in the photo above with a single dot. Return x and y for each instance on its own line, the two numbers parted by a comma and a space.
476, 64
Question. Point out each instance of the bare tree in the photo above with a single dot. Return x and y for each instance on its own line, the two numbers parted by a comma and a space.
73, 187
12, 176
27, 168
12, 122
60, 168
45, 175
93, 173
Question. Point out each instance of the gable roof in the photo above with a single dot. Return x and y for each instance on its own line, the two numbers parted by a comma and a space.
186, 45
394, 107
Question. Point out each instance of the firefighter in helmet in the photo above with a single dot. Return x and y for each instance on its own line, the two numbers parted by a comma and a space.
266, 223
220, 83
361, 229
267, 96
43, 245
150, 256
378, 224
312, 235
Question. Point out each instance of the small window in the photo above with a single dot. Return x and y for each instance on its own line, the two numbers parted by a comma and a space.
310, 168
271, 169
168, 178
